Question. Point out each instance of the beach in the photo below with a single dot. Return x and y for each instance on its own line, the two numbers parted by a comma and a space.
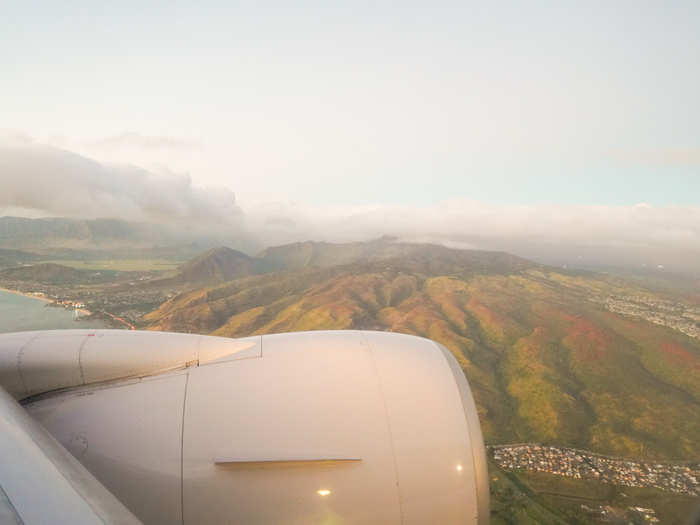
32, 295
20, 311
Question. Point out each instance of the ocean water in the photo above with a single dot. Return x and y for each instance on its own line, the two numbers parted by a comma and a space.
19, 313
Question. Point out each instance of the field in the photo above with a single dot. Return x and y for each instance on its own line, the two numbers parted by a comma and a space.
120, 265
536, 497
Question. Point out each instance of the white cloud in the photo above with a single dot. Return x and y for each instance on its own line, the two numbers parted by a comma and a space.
459, 220
131, 140
581, 235
58, 182
40, 180
658, 157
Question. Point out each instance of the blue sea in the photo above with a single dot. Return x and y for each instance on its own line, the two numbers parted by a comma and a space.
19, 313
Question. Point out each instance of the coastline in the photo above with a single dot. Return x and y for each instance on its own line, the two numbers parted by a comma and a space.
81, 311
26, 294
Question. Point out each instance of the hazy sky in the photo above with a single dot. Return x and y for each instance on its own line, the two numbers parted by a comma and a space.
387, 103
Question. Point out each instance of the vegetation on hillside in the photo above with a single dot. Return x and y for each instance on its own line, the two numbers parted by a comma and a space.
545, 363
50, 273
217, 265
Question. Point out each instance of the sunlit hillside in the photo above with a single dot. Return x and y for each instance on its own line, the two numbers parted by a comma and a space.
546, 362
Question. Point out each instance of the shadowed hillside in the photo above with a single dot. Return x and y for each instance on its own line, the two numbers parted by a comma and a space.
545, 362
225, 264
11, 258
217, 265
433, 258
66, 238
55, 274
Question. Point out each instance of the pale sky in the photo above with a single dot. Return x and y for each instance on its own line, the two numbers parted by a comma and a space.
369, 103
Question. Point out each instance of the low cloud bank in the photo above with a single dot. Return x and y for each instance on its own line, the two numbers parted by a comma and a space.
60, 183
131, 140
469, 221
584, 236
41, 180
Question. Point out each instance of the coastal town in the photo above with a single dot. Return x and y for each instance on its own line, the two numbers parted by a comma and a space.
678, 477
672, 314
119, 306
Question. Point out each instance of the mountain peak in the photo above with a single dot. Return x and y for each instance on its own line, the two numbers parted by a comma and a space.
218, 264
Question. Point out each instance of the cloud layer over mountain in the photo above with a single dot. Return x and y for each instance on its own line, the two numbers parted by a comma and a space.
57, 182
469, 221
585, 236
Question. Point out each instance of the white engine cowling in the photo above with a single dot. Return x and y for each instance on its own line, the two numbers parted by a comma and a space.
313, 427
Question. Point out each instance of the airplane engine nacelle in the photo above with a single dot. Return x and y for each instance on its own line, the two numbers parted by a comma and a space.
314, 427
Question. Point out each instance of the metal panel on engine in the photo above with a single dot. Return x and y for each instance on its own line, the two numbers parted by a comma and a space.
431, 441
256, 431
129, 437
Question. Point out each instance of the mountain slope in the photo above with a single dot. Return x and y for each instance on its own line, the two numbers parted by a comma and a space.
217, 265
301, 255
113, 238
50, 273
11, 258
546, 364
225, 264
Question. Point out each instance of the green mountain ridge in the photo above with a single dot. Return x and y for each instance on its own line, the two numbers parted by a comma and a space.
217, 265
297, 256
59, 237
546, 364
10, 258
223, 264
50, 273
